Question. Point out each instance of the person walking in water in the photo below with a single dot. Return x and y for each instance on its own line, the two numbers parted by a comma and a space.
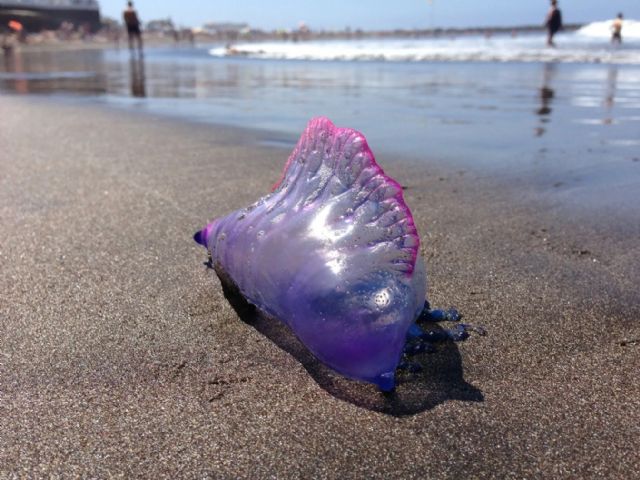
616, 30
553, 22
132, 22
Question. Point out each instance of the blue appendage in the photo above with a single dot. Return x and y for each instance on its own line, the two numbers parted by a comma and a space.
420, 340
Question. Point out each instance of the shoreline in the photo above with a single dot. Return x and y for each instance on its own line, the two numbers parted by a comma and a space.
514, 127
120, 354
514, 182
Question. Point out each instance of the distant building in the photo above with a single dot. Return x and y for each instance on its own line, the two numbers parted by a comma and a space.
160, 26
226, 29
37, 15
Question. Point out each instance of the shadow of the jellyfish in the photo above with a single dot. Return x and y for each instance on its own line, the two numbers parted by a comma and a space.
440, 380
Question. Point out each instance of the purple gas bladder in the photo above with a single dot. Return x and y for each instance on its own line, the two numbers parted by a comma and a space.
332, 252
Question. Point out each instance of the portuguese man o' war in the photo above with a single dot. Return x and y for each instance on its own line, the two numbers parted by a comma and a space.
333, 252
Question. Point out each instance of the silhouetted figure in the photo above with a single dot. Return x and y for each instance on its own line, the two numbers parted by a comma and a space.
553, 22
132, 22
616, 30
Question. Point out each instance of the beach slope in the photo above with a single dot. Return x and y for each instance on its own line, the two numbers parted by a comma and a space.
121, 356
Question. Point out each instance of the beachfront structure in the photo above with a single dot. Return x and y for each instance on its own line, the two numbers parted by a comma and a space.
226, 28
38, 15
160, 26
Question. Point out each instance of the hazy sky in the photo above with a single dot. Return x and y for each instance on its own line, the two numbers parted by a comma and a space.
371, 14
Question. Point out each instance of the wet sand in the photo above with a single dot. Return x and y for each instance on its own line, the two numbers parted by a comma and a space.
121, 356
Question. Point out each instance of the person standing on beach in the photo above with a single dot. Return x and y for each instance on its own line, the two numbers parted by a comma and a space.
553, 22
132, 22
616, 30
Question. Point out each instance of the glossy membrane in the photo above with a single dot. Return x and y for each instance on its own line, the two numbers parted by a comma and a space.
332, 252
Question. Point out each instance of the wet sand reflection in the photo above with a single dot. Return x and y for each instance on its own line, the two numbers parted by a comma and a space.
137, 77
546, 97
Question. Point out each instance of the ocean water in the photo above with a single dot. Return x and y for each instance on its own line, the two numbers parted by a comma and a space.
567, 120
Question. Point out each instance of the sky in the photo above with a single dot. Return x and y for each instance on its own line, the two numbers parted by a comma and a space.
371, 14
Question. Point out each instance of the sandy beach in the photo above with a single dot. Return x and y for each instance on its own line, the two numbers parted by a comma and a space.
121, 357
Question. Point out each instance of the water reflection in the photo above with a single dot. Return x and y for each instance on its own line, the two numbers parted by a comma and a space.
51, 72
13, 63
424, 109
546, 95
137, 78
610, 96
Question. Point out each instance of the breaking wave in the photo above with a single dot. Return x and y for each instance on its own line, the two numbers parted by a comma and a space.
602, 30
590, 44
